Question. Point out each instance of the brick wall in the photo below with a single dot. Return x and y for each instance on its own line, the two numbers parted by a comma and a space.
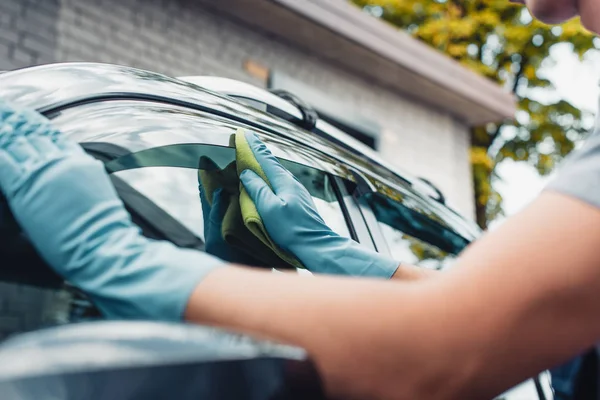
179, 37
27, 32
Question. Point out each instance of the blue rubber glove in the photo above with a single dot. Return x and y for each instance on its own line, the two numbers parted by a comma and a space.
213, 224
65, 203
306, 236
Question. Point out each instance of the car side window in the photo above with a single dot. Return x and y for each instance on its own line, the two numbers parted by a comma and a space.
410, 250
412, 237
168, 176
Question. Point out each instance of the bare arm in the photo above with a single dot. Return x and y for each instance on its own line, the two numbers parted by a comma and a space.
405, 272
408, 272
472, 333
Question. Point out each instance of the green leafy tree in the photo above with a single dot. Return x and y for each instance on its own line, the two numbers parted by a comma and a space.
502, 42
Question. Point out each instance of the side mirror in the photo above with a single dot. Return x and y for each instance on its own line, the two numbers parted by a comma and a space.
146, 360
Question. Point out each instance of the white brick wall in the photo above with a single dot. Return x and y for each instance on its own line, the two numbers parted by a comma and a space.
182, 38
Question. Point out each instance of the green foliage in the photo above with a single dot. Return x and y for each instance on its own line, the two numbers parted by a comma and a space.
502, 42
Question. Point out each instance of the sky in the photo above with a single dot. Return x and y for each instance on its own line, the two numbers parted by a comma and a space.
577, 82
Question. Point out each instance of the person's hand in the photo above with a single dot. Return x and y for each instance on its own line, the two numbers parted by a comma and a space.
304, 233
213, 228
213, 223
66, 205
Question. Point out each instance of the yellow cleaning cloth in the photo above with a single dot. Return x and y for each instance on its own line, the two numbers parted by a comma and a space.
242, 226
245, 159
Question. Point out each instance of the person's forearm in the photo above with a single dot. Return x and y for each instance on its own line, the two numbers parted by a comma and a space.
405, 272
536, 284
472, 333
369, 338
351, 327
408, 272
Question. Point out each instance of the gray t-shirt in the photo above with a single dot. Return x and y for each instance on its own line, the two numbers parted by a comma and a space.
579, 177
579, 174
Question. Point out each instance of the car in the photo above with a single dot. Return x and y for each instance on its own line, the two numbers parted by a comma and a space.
150, 131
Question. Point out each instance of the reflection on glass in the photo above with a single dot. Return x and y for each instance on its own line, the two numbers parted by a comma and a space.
411, 250
319, 185
146, 127
175, 190
332, 215
413, 237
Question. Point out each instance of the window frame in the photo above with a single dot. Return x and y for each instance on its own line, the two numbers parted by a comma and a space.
359, 229
381, 245
358, 201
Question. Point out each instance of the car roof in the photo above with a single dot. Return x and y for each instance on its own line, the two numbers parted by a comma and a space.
49, 88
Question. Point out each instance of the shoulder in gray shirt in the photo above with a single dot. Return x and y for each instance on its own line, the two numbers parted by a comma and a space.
579, 174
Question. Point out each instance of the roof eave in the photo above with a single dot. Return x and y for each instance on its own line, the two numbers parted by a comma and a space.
345, 36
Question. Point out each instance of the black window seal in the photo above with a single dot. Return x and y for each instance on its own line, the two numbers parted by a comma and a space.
340, 193
539, 388
355, 220
372, 223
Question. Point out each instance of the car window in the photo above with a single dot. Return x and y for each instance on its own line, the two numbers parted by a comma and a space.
175, 190
168, 176
155, 148
135, 126
412, 237
408, 249
423, 205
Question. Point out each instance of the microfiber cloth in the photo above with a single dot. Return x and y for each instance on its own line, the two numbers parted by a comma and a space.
245, 159
242, 226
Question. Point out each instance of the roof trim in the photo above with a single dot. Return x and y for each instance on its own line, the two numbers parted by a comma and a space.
344, 35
